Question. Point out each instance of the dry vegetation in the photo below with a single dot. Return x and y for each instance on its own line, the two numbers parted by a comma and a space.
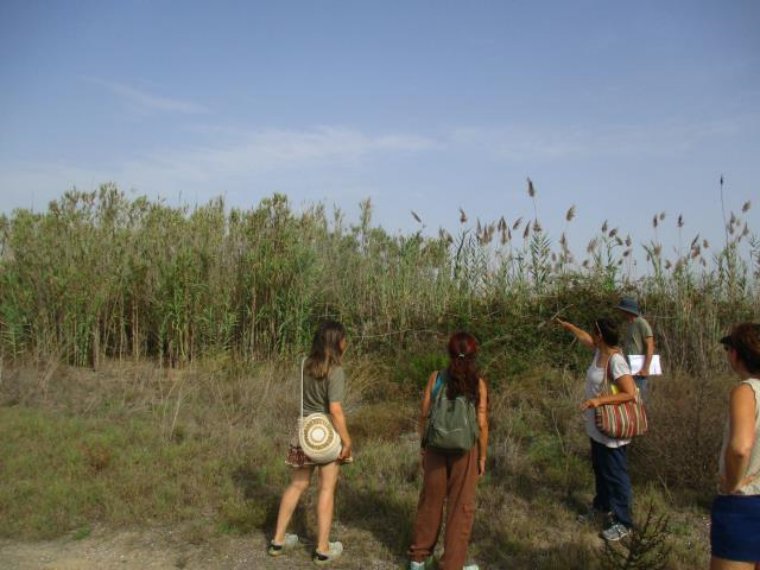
148, 372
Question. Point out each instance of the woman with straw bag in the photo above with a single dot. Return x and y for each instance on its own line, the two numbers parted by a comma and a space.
614, 493
322, 391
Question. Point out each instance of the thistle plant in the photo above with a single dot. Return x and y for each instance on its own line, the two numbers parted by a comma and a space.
647, 548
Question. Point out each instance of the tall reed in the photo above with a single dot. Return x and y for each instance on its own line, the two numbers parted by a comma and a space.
99, 275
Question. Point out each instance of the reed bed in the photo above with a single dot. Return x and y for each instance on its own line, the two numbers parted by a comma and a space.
101, 276
138, 339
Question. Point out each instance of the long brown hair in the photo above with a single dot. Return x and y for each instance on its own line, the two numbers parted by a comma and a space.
463, 370
326, 351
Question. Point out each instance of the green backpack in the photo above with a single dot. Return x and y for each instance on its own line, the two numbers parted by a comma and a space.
452, 425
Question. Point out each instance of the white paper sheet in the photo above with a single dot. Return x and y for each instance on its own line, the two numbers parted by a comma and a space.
637, 361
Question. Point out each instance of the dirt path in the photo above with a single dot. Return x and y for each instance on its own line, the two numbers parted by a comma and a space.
163, 549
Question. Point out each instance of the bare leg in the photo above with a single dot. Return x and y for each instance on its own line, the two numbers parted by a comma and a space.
328, 479
723, 564
298, 484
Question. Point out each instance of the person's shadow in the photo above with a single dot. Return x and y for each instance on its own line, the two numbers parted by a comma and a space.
388, 516
263, 496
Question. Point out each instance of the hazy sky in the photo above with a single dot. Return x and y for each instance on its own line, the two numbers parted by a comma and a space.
622, 109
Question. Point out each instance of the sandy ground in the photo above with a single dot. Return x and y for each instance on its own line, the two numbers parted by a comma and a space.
162, 548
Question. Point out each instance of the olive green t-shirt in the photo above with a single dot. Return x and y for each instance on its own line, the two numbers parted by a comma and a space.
318, 394
634, 336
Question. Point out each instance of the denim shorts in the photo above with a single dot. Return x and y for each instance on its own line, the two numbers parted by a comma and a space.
735, 529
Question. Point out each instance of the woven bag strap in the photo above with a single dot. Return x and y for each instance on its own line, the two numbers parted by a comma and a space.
303, 363
608, 374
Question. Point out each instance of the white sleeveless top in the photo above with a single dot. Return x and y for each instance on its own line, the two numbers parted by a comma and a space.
594, 386
751, 482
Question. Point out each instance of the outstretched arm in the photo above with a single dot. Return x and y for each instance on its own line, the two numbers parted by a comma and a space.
583, 337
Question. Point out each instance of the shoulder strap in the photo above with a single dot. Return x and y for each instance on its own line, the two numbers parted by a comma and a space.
303, 364
438, 384
608, 379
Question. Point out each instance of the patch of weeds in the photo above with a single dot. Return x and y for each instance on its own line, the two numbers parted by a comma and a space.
241, 517
646, 549
225, 527
383, 422
414, 369
82, 533
681, 529
97, 456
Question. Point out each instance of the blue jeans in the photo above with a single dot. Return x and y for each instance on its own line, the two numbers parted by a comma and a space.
613, 485
643, 385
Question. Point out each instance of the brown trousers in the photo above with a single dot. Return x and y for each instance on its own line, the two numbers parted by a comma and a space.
450, 478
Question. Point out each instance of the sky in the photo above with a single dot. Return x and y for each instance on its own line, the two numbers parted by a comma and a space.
621, 109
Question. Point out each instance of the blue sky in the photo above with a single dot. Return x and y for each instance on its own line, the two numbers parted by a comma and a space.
621, 109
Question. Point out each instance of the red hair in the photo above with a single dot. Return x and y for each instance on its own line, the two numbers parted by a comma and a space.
463, 370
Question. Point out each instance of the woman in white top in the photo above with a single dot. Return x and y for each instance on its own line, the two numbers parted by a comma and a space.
735, 529
608, 456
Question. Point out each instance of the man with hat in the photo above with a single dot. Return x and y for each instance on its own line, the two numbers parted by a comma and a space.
637, 339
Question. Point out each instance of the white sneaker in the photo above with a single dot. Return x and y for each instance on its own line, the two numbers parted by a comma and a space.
615, 532
289, 542
428, 563
321, 558
471, 567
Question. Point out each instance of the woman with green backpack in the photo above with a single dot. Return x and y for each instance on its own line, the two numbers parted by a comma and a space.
454, 435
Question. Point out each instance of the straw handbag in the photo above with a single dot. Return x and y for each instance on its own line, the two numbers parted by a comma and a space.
316, 434
620, 421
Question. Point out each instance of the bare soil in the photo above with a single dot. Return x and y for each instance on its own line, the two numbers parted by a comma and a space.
165, 548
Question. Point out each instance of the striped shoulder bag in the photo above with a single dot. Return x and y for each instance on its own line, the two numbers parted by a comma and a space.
620, 421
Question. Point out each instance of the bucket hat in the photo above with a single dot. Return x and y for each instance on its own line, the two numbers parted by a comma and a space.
629, 305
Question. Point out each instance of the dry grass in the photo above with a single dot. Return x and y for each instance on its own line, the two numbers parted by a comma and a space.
202, 448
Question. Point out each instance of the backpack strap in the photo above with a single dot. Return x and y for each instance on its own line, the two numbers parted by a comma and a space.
439, 382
